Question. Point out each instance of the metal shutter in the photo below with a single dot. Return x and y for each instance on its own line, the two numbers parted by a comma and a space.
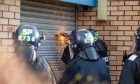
50, 19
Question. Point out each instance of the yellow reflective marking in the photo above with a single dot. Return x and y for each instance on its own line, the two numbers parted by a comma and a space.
19, 38
89, 78
78, 77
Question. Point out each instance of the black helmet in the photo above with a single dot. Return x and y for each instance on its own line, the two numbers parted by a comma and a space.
137, 39
27, 35
83, 39
95, 34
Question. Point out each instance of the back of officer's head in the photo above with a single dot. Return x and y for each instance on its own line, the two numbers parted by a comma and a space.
26, 39
83, 38
137, 39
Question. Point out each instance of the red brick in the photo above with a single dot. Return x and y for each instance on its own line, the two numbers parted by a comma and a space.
93, 17
136, 7
124, 38
124, 27
104, 32
120, 58
123, 48
117, 3
94, 9
116, 32
83, 18
7, 42
17, 15
0, 27
4, 7
125, 7
90, 14
114, 82
8, 28
0, 14
129, 32
112, 8
117, 12
80, 14
8, 14
14, 22
80, 22
110, 28
103, 23
118, 77
113, 78
17, 2
119, 67
10, 2
3, 34
116, 53
135, 27
131, 2
131, 22
129, 43
14, 9
112, 67
115, 63
116, 42
10, 35
131, 13
124, 18
136, 18
112, 17
97, 27
117, 22
112, 47
83, 27
89, 22
112, 58
110, 37
3, 21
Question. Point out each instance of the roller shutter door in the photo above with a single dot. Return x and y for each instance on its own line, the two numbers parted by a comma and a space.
50, 19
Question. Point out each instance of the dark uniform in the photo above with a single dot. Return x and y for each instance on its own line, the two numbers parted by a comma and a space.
131, 70
100, 47
86, 67
81, 71
27, 48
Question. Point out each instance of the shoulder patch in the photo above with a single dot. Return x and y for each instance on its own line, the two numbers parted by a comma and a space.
132, 57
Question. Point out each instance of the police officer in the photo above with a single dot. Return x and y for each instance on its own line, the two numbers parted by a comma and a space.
27, 41
86, 67
99, 45
131, 70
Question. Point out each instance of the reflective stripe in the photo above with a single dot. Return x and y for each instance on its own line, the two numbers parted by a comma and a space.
106, 59
132, 57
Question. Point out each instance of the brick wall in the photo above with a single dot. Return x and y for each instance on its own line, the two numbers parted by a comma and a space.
9, 21
117, 31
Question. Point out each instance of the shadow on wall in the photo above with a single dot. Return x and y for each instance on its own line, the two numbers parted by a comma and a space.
15, 71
